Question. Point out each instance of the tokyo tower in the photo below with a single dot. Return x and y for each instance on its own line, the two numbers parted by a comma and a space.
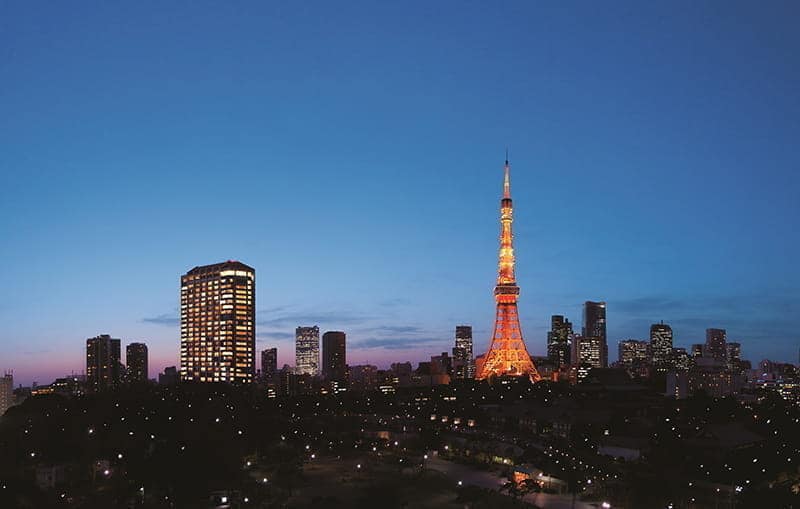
507, 355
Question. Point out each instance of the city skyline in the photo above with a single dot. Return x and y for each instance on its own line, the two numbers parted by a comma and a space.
664, 190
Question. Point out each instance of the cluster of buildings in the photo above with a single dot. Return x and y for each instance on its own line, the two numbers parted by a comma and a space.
104, 371
217, 330
715, 367
335, 375
566, 350
217, 344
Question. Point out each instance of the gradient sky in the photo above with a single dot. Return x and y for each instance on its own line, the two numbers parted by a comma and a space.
352, 153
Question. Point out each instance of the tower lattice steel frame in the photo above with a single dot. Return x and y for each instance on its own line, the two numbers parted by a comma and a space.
507, 355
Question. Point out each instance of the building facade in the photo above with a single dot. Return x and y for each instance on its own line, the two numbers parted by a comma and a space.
594, 326
733, 356
269, 365
136, 362
218, 323
463, 360
633, 352
306, 350
661, 346
587, 351
334, 356
715, 346
681, 360
364, 377
103, 367
559, 341
6, 392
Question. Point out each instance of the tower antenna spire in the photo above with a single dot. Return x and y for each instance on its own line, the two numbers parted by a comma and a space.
507, 178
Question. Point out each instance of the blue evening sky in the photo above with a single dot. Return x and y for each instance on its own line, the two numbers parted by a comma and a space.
352, 153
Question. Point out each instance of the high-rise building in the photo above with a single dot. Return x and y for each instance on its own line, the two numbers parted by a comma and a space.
218, 323
334, 356
136, 362
507, 353
633, 352
697, 350
306, 351
681, 360
559, 341
269, 364
661, 346
733, 356
587, 350
6, 392
594, 325
103, 368
463, 361
715, 345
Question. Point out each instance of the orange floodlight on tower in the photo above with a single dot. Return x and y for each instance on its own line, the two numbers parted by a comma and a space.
507, 355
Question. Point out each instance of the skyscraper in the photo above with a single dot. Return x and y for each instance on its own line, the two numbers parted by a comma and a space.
680, 359
103, 368
306, 350
661, 346
507, 353
733, 356
716, 345
463, 360
334, 356
218, 323
136, 362
559, 341
633, 352
269, 364
594, 325
6, 392
587, 350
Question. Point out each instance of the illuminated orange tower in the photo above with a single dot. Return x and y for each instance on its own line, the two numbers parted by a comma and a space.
507, 355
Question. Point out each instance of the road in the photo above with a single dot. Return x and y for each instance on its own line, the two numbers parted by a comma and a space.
485, 479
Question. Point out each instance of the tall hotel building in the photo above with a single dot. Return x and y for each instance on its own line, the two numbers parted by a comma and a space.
218, 323
306, 350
